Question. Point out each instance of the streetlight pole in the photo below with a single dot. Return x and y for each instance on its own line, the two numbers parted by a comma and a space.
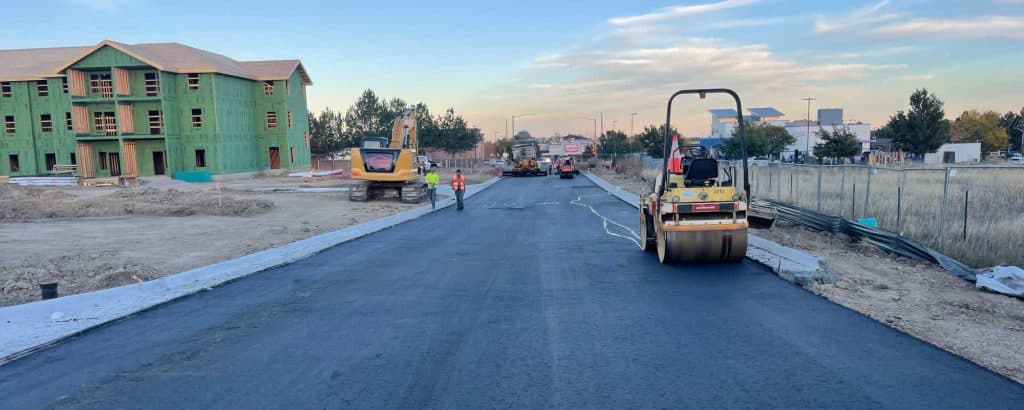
514, 123
631, 116
807, 148
595, 125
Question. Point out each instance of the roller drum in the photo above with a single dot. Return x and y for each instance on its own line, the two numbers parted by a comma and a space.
702, 246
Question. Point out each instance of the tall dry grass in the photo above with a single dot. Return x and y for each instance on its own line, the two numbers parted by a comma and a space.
994, 204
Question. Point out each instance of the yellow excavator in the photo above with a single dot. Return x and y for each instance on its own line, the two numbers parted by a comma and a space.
388, 166
695, 214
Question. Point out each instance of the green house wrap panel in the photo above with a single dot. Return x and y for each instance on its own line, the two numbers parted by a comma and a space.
234, 132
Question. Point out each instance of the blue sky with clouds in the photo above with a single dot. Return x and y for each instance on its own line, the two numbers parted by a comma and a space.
563, 60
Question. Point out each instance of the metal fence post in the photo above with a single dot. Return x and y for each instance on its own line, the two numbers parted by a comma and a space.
942, 207
867, 193
819, 188
778, 187
853, 203
791, 197
967, 194
899, 201
842, 190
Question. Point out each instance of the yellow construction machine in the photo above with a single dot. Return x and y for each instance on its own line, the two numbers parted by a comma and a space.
388, 166
695, 214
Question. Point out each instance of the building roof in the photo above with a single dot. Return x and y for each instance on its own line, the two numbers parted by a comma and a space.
766, 112
31, 64
723, 112
34, 63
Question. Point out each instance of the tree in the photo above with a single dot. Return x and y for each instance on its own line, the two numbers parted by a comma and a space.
454, 135
326, 132
615, 142
983, 127
920, 130
1013, 123
839, 143
504, 146
652, 139
522, 135
365, 118
762, 140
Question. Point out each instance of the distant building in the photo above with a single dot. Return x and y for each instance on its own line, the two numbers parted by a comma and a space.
723, 125
955, 153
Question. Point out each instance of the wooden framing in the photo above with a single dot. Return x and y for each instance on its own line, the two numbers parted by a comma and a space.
85, 168
76, 82
127, 118
80, 115
121, 81
131, 164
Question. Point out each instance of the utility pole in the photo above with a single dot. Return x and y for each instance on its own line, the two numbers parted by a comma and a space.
807, 148
506, 128
602, 123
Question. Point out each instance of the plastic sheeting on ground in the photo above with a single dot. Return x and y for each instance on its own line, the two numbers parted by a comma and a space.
1008, 280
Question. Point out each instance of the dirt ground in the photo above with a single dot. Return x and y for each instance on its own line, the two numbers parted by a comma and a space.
920, 299
99, 237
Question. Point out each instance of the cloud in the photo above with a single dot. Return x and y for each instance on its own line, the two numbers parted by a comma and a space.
919, 77
868, 15
972, 27
639, 72
103, 5
678, 11
880, 52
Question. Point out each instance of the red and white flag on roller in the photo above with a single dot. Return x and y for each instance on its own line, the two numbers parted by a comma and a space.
675, 158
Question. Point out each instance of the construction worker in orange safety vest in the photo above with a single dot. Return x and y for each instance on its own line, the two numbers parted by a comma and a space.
459, 186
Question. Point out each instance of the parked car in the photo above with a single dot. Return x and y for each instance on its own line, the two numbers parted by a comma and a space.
1018, 159
499, 164
426, 163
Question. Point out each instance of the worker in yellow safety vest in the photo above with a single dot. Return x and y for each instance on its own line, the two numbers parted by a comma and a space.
459, 186
432, 180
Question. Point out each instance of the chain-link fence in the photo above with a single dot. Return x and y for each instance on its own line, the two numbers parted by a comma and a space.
973, 214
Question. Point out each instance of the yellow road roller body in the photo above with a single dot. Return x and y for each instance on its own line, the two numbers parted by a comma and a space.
695, 224
696, 213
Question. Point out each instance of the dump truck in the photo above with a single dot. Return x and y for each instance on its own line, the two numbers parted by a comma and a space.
385, 166
697, 214
526, 154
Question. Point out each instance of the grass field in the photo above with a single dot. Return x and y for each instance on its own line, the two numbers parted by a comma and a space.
913, 202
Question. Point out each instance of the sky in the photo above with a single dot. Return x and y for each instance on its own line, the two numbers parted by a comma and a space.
558, 64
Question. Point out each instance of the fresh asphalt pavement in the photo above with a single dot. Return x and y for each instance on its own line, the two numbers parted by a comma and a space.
535, 296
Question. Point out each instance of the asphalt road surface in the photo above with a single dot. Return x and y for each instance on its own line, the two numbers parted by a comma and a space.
531, 297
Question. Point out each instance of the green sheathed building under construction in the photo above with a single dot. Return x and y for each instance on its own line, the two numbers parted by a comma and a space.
149, 109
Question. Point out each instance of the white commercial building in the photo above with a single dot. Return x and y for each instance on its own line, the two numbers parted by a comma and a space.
723, 125
955, 153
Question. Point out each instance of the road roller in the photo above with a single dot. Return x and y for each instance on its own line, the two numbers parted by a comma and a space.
695, 212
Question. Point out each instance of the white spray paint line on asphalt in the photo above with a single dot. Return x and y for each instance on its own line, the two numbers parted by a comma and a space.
635, 238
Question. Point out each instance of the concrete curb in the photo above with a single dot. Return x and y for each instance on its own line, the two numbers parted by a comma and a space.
790, 264
33, 326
